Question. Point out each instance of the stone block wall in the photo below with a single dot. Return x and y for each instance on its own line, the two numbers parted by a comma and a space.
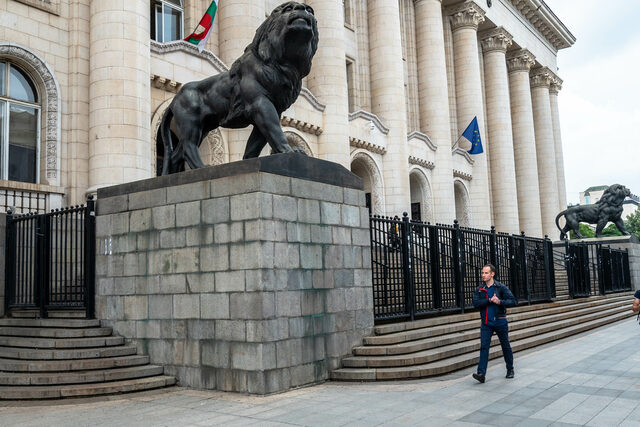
255, 282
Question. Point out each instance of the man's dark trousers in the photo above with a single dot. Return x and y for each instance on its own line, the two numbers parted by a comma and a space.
501, 328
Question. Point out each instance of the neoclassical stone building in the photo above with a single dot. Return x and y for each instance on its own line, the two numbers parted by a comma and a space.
394, 84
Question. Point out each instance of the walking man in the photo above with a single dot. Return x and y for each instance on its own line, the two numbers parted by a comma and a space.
493, 298
636, 302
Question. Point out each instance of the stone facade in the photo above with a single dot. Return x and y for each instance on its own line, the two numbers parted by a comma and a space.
238, 278
392, 87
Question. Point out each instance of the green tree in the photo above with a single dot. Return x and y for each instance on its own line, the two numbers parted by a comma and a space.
611, 230
632, 223
585, 230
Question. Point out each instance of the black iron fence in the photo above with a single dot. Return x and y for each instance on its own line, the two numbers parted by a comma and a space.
50, 260
595, 269
421, 269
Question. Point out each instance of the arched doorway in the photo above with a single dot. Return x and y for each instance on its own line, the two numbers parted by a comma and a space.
365, 167
463, 206
421, 200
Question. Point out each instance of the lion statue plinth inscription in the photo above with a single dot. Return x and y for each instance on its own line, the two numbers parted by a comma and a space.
260, 85
607, 209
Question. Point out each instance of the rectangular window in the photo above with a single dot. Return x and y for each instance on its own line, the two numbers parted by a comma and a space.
167, 20
172, 24
23, 134
2, 78
351, 85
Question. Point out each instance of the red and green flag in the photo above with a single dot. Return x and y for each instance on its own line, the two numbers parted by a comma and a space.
200, 36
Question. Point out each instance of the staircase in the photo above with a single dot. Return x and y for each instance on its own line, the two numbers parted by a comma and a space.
69, 357
440, 345
562, 285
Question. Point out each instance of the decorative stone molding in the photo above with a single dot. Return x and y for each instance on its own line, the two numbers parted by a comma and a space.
462, 175
50, 103
520, 60
215, 153
541, 77
424, 138
51, 6
544, 20
166, 84
556, 86
377, 185
371, 117
421, 162
463, 153
296, 140
301, 125
465, 15
365, 145
496, 39
306, 94
183, 46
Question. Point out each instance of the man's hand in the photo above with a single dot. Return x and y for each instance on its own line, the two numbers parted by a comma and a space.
494, 299
636, 305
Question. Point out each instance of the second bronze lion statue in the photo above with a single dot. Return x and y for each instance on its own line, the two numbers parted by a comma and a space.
260, 85
607, 209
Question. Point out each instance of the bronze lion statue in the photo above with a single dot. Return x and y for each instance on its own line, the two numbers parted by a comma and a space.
260, 85
607, 209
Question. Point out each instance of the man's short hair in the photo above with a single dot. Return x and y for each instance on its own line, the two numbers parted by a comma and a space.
491, 267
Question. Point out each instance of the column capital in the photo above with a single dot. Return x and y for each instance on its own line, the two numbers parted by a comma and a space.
495, 39
420, 1
520, 60
541, 77
556, 85
465, 15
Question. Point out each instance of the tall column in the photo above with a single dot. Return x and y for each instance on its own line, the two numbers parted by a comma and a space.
524, 142
556, 86
388, 99
465, 18
362, 34
503, 174
541, 79
328, 81
239, 20
433, 97
119, 92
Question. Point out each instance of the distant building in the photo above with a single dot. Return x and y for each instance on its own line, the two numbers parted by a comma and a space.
591, 196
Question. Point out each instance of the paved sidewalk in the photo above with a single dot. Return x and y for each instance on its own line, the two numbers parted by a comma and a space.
592, 380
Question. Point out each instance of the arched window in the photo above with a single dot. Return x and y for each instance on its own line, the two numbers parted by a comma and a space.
19, 125
167, 20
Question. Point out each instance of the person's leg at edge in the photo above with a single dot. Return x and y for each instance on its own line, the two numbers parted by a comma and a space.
502, 330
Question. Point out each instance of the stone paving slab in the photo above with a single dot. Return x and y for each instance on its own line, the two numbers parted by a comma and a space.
592, 379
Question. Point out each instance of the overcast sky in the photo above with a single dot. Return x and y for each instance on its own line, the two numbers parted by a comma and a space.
600, 98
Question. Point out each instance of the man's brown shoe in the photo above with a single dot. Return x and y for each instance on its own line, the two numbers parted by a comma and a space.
478, 377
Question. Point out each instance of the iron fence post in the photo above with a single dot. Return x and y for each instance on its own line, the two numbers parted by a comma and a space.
525, 265
548, 265
513, 268
602, 288
435, 267
493, 251
626, 270
90, 255
457, 265
406, 265
10, 262
41, 255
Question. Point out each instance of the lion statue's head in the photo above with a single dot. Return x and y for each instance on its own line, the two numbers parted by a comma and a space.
289, 36
614, 195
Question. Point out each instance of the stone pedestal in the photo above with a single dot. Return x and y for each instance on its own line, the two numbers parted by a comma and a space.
252, 276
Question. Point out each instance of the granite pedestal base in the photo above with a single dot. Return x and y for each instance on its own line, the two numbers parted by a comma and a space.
252, 276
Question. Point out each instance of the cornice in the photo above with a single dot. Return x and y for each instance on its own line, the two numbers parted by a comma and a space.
183, 46
371, 117
421, 162
546, 22
465, 15
422, 137
164, 83
302, 126
463, 153
306, 94
496, 39
520, 60
462, 175
374, 148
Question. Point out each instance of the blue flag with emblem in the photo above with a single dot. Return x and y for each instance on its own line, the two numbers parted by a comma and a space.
472, 133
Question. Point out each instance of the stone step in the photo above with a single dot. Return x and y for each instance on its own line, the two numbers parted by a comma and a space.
433, 321
469, 330
78, 377
459, 323
60, 354
17, 331
447, 365
51, 323
42, 343
67, 314
470, 341
13, 365
84, 390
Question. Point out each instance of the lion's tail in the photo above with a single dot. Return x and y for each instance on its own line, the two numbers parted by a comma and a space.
558, 217
165, 136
